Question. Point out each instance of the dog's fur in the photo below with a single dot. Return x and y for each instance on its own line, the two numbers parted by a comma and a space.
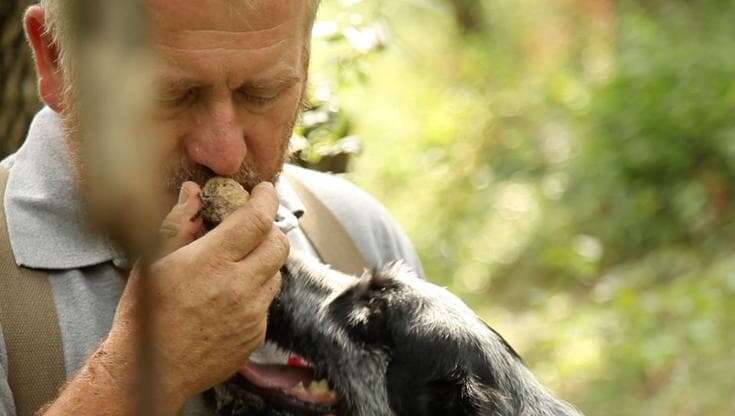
392, 344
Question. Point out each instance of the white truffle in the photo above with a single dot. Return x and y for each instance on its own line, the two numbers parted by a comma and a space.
221, 197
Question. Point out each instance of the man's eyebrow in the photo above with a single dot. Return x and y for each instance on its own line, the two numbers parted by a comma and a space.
278, 82
173, 85
281, 81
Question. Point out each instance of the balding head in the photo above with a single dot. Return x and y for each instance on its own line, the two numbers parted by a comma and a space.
58, 24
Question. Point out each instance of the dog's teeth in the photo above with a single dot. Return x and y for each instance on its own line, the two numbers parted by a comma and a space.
319, 386
332, 396
300, 388
312, 385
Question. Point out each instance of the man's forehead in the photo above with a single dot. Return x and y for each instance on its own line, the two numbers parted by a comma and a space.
225, 15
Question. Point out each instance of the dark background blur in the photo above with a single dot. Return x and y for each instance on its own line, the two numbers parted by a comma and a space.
18, 97
566, 166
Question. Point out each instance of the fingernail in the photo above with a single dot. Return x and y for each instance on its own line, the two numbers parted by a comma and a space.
183, 195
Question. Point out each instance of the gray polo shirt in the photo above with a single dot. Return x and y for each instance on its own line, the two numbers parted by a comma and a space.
47, 231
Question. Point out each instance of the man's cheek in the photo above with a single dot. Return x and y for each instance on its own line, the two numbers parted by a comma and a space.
271, 129
169, 133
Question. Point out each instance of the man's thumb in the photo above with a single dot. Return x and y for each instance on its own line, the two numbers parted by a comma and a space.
182, 225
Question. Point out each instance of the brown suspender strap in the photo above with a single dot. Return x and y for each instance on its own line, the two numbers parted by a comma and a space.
328, 236
30, 327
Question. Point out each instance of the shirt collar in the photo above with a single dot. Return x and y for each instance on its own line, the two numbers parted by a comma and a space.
47, 227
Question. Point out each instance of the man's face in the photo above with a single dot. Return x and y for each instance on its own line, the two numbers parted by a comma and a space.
230, 77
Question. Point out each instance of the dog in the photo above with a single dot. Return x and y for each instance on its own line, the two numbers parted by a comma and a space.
384, 344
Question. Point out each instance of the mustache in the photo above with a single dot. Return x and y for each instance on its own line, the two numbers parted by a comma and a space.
182, 171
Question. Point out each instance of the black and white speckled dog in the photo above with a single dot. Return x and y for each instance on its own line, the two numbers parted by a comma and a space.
389, 344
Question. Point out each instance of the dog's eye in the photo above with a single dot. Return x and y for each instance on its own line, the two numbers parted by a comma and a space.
363, 317
359, 316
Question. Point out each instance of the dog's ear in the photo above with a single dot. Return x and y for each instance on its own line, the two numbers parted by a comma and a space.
412, 395
483, 400
415, 394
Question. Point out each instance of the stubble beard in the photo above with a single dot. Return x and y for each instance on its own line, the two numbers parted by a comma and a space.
249, 175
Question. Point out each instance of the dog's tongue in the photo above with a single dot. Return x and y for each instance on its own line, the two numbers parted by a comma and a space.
276, 376
296, 381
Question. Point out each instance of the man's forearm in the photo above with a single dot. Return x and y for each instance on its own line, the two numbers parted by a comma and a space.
106, 385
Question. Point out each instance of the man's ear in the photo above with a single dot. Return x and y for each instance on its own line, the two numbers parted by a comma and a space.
48, 71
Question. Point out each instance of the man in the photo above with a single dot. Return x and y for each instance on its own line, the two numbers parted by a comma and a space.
230, 76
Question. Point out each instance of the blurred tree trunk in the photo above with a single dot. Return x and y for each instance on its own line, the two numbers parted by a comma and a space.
469, 15
18, 97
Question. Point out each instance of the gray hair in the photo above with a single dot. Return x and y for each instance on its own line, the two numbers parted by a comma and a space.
57, 24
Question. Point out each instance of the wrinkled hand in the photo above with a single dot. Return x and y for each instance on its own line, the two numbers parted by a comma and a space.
210, 296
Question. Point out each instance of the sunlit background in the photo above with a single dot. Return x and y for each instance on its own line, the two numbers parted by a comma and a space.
568, 168
565, 166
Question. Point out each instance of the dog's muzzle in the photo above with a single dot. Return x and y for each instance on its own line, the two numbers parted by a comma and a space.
290, 389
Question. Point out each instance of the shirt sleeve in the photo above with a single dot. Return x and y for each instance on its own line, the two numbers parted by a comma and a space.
375, 232
7, 404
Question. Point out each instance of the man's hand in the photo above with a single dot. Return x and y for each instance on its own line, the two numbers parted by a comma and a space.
210, 297
209, 300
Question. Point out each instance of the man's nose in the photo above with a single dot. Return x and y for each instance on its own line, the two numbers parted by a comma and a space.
218, 141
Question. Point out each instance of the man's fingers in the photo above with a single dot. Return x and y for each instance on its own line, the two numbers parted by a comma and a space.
265, 261
181, 226
272, 288
246, 228
259, 299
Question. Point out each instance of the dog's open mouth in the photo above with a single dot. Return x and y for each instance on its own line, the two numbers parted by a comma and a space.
292, 387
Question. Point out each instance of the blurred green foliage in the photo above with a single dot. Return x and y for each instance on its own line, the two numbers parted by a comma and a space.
568, 168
